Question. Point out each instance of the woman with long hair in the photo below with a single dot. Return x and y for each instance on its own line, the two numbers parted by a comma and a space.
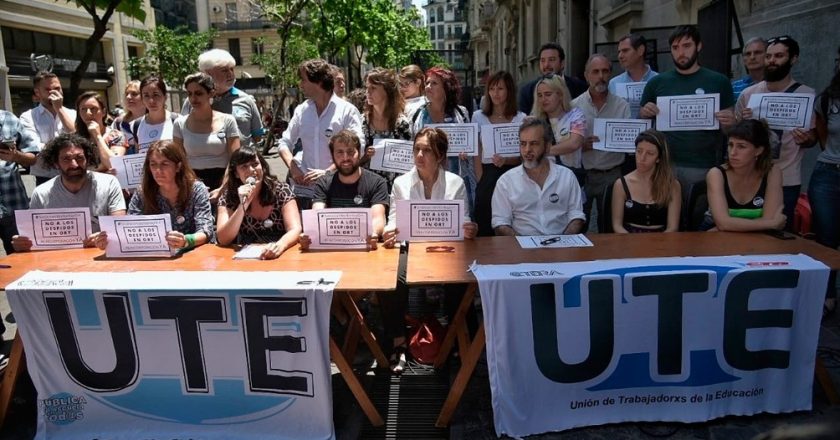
648, 198
552, 102
499, 108
169, 187
134, 109
157, 123
91, 111
208, 136
745, 193
383, 116
412, 83
254, 207
443, 92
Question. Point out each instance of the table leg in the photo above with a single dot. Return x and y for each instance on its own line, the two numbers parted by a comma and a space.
354, 385
468, 362
17, 365
459, 321
367, 335
827, 385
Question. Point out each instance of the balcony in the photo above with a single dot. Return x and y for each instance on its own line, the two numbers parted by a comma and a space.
243, 25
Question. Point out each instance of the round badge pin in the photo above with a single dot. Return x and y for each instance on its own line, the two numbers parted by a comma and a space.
699, 91
153, 134
220, 135
628, 204
267, 223
758, 201
358, 199
180, 219
553, 198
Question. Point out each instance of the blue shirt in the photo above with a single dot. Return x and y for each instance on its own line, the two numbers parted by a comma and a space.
624, 78
12, 191
740, 84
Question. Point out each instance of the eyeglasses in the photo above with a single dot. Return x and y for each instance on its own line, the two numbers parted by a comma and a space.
551, 240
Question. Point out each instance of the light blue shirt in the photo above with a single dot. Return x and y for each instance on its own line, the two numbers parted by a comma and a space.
624, 78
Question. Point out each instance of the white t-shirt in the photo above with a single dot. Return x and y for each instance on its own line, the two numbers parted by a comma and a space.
149, 133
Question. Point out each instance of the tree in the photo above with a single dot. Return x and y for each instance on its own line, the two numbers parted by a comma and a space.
173, 54
132, 8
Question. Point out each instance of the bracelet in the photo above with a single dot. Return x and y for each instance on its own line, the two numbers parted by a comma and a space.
190, 239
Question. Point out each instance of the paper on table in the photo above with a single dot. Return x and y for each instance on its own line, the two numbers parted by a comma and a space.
688, 112
129, 169
463, 138
337, 228
501, 139
392, 155
136, 235
59, 228
632, 93
783, 111
618, 135
553, 241
249, 252
430, 220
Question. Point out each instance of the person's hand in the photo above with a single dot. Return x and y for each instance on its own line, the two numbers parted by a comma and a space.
746, 113
649, 111
21, 243
56, 99
312, 176
462, 156
588, 141
372, 239
214, 196
271, 251
779, 220
726, 117
246, 194
470, 230
176, 240
93, 129
803, 138
370, 151
8, 155
305, 242
97, 239
297, 174
498, 160
389, 238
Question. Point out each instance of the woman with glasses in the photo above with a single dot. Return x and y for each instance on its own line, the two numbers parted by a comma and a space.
553, 104
499, 108
208, 136
157, 123
254, 207
412, 83
90, 123
648, 198
169, 186
383, 116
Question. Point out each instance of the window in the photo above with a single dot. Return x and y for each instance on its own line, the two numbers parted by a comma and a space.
432, 33
233, 48
440, 31
230, 12
257, 46
458, 31
256, 12
440, 14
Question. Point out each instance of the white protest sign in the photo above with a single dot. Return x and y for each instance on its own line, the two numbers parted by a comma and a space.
430, 220
136, 235
501, 139
688, 112
632, 93
783, 111
392, 155
618, 135
129, 169
337, 228
59, 228
463, 138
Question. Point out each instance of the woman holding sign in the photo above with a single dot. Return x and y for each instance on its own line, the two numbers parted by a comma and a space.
254, 207
426, 181
170, 186
648, 198
383, 116
499, 108
90, 123
552, 103
745, 194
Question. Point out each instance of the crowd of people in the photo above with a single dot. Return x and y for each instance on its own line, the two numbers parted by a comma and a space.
206, 169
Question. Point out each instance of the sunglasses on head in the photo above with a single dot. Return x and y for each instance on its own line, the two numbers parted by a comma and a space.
778, 39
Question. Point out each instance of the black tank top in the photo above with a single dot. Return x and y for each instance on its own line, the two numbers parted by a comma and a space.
750, 210
642, 214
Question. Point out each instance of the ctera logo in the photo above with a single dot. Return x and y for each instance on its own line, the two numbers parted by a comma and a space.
670, 290
189, 395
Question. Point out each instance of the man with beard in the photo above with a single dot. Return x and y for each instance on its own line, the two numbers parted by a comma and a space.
538, 197
350, 185
753, 58
76, 186
602, 168
782, 53
552, 62
692, 152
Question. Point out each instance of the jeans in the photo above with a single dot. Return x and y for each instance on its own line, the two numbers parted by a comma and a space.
824, 195
790, 194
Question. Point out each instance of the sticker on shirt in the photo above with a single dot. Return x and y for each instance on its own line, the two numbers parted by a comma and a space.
758, 201
554, 198
699, 91
221, 135
153, 133
328, 132
358, 199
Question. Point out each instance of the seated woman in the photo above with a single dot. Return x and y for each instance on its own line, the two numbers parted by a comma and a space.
427, 180
254, 207
647, 199
169, 186
745, 194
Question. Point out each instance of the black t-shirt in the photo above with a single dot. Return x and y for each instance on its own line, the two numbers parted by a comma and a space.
369, 190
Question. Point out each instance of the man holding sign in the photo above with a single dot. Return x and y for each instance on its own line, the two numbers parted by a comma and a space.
631, 55
781, 55
76, 186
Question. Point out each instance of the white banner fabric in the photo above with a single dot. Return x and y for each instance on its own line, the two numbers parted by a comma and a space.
171, 355
666, 339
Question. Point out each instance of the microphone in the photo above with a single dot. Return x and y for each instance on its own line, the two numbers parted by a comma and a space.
251, 180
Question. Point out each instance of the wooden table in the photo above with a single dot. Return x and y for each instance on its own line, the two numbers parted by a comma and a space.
374, 271
451, 267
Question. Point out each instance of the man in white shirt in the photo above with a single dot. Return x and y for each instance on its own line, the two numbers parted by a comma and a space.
314, 122
538, 197
48, 120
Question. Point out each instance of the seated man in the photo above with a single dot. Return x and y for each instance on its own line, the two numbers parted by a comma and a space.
351, 186
538, 197
76, 186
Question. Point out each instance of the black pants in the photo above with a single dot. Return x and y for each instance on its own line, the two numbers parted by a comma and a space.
8, 229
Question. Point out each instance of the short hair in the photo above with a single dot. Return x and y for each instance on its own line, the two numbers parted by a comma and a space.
346, 137
81, 126
685, 30
202, 79
53, 148
184, 178
506, 79
153, 80
533, 121
40, 76
451, 87
592, 57
553, 46
789, 42
558, 84
437, 138
755, 40
387, 79
215, 58
636, 41
319, 72
757, 133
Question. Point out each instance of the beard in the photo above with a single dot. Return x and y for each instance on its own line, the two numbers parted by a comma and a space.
344, 171
777, 73
688, 64
74, 175
601, 87
531, 164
